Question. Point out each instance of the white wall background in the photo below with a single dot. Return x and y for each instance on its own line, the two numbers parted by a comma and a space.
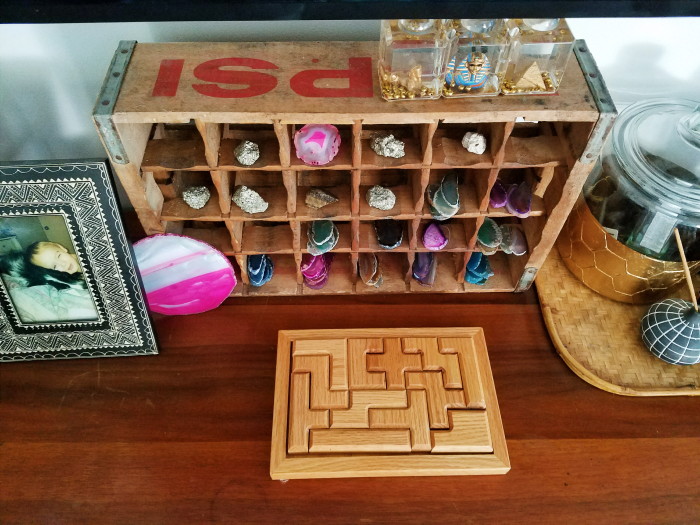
50, 74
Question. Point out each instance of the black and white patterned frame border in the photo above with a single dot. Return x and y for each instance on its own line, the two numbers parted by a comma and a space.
82, 191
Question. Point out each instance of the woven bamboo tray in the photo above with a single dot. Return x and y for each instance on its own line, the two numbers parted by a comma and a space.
599, 338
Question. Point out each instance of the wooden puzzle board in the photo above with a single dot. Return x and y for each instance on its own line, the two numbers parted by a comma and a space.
385, 402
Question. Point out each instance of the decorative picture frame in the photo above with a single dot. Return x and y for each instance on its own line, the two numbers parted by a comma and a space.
68, 284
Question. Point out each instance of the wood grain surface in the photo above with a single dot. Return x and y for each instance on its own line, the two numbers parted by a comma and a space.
184, 437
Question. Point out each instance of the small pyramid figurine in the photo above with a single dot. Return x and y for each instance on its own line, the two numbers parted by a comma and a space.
671, 328
531, 79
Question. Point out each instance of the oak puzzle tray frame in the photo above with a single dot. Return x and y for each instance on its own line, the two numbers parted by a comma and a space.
170, 116
385, 402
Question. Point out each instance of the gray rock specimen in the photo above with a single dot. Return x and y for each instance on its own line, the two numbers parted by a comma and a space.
247, 153
386, 145
249, 200
474, 142
196, 197
317, 198
381, 198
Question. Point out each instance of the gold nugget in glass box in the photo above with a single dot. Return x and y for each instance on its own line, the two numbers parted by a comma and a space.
413, 58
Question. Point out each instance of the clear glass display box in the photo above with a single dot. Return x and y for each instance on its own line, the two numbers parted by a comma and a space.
478, 58
539, 51
412, 58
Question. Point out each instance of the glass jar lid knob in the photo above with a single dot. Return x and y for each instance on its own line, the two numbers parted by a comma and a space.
416, 26
478, 25
542, 24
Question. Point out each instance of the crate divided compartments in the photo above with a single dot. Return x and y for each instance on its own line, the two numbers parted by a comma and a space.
171, 115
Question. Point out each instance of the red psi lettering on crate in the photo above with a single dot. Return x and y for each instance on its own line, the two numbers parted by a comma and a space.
218, 79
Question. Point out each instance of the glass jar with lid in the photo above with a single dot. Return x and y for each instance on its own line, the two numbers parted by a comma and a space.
645, 185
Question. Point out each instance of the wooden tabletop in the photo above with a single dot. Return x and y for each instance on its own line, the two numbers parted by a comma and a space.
184, 437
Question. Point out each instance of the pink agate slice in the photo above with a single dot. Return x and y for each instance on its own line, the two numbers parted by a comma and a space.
315, 269
181, 275
434, 239
317, 144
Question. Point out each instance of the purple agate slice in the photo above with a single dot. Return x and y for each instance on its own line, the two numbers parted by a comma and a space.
434, 238
316, 269
424, 268
499, 195
519, 201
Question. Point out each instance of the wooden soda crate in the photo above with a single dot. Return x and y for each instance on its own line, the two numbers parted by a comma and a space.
170, 116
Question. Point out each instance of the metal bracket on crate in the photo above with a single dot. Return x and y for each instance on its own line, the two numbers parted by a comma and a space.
104, 107
602, 99
526, 279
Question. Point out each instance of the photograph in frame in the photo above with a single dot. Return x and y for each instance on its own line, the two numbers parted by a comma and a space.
68, 284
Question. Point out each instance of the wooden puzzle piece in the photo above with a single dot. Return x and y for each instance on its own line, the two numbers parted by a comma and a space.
350, 440
301, 418
357, 416
321, 395
469, 433
439, 398
435, 358
394, 362
414, 417
471, 379
337, 352
359, 377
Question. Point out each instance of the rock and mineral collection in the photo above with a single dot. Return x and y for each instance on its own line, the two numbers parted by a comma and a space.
249, 200
260, 269
389, 233
247, 153
513, 241
517, 198
519, 201
443, 198
424, 268
323, 235
499, 195
435, 236
381, 198
196, 197
489, 236
370, 270
478, 269
474, 142
317, 198
316, 269
386, 145
317, 144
